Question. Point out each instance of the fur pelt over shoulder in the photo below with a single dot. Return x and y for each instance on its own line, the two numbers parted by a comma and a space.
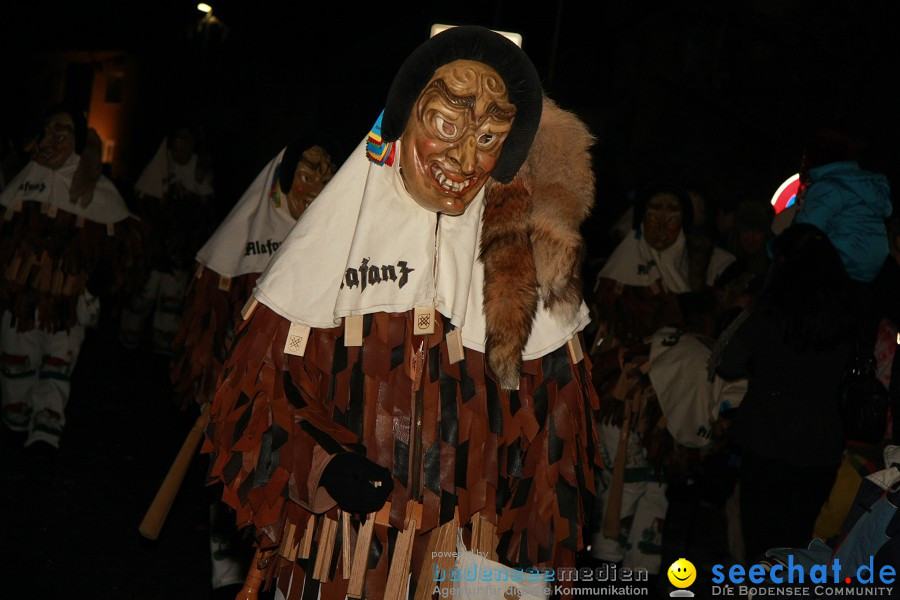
531, 245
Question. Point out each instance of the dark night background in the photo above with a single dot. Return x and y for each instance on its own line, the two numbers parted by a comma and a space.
715, 95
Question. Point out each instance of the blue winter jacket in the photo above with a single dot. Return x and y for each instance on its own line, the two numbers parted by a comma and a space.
850, 206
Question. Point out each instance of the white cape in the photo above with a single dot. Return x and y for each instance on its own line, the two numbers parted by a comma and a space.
37, 183
252, 231
162, 171
635, 262
689, 400
365, 246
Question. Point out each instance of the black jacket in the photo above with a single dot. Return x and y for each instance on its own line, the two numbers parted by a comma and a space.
790, 410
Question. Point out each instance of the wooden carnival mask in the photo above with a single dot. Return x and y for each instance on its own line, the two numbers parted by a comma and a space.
314, 170
181, 146
663, 221
454, 135
57, 142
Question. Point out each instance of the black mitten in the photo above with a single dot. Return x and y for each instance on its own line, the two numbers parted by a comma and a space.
356, 483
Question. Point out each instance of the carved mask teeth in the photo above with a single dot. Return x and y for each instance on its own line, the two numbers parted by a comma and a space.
447, 183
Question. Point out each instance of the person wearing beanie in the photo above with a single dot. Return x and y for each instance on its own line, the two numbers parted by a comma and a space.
409, 375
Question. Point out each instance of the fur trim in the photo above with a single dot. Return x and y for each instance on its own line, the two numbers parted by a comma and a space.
510, 279
531, 239
561, 177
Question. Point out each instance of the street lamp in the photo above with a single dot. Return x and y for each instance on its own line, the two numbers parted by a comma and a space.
204, 7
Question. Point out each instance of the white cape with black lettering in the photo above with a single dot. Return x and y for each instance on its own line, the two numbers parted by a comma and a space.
252, 231
37, 183
635, 262
690, 401
365, 246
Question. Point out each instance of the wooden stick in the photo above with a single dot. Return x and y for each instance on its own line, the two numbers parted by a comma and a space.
255, 575
611, 523
162, 502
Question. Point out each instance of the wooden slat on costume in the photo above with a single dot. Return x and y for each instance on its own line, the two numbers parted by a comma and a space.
249, 307
287, 540
484, 537
325, 549
345, 545
306, 542
438, 554
360, 557
399, 572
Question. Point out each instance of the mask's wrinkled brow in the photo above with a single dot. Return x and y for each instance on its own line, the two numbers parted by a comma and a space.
468, 102
499, 113
451, 98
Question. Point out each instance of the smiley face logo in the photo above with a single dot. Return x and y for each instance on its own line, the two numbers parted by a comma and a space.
682, 573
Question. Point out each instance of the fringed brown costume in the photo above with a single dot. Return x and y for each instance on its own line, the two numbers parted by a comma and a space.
522, 460
48, 260
514, 468
211, 312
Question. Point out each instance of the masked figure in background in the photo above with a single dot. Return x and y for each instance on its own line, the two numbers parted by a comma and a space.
232, 259
416, 342
173, 197
655, 277
228, 266
66, 238
658, 406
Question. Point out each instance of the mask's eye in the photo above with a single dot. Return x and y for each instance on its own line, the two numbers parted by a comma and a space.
487, 140
444, 127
